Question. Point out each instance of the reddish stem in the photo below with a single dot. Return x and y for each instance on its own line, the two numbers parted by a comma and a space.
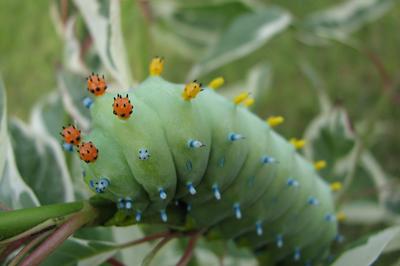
114, 262
185, 259
150, 238
56, 239
13, 246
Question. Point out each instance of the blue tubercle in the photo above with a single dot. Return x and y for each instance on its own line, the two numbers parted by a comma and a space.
339, 238
138, 216
68, 147
163, 194
193, 143
266, 159
259, 228
101, 185
279, 241
297, 254
216, 192
292, 182
236, 209
330, 217
234, 136
87, 102
163, 215
312, 201
121, 203
191, 188
128, 203
144, 154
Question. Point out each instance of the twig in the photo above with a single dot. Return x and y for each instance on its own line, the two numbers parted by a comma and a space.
149, 238
380, 67
145, 8
114, 262
36, 240
185, 259
153, 252
13, 246
57, 238
64, 11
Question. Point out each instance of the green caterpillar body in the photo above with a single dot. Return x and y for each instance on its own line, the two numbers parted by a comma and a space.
232, 174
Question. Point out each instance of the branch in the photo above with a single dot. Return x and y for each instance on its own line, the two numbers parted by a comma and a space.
35, 241
75, 222
185, 259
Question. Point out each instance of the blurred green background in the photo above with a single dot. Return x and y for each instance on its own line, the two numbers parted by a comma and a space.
31, 50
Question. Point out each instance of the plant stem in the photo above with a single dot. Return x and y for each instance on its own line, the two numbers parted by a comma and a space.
148, 238
16, 222
149, 257
76, 221
29, 246
185, 259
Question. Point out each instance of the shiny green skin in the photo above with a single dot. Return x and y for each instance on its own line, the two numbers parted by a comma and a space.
122, 182
181, 121
163, 123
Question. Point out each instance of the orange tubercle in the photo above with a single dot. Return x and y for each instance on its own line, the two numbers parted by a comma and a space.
96, 84
71, 135
88, 152
122, 107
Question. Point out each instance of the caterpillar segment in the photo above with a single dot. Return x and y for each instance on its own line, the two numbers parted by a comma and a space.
250, 183
111, 176
186, 130
227, 158
141, 132
166, 151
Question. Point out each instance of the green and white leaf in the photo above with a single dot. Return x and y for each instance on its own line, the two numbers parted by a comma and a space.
258, 83
330, 138
81, 252
42, 164
199, 24
367, 253
14, 192
48, 116
72, 90
339, 21
318, 85
103, 20
246, 34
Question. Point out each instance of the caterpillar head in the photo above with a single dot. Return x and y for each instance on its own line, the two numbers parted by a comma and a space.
71, 135
191, 90
96, 84
88, 152
156, 66
122, 107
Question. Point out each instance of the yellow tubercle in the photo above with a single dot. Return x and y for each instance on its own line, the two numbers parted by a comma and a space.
336, 186
340, 216
216, 83
156, 66
191, 90
274, 121
298, 143
241, 97
319, 165
248, 102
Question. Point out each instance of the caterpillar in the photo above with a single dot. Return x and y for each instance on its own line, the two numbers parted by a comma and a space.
163, 144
